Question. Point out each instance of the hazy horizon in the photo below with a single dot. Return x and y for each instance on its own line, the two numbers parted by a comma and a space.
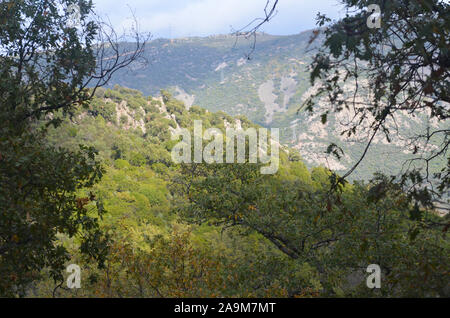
202, 18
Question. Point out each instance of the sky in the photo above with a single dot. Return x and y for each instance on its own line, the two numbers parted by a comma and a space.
182, 18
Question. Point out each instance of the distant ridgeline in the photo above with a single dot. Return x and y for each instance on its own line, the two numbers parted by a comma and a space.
269, 88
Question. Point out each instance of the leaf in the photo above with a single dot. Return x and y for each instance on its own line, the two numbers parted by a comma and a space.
445, 229
415, 214
335, 150
364, 246
413, 234
329, 206
316, 219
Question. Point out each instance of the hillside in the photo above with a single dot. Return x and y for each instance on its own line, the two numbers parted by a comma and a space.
208, 172
225, 230
213, 72
141, 193
269, 89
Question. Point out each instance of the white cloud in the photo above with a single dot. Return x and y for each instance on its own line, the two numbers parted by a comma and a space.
204, 17
178, 18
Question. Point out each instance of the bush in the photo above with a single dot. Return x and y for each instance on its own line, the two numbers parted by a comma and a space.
124, 119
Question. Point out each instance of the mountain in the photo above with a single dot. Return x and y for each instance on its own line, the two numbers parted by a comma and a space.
225, 230
268, 88
142, 191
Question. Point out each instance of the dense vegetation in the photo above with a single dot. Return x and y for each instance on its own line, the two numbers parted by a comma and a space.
213, 73
226, 230
398, 69
87, 178
46, 63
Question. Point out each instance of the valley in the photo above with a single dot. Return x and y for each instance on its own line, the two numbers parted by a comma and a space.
269, 88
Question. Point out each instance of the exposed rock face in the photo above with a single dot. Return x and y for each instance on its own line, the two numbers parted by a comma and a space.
266, 93
187, 99
267, 96
269, 89
288, 88
122, 110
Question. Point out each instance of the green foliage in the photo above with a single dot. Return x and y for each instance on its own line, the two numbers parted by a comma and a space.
248, 235
124, 120
103, 108
339, 234
43, 68
391, 88
285, 232
38, 196
173, 105
186, 64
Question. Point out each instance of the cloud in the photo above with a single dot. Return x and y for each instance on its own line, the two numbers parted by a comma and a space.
207, 17
179, 18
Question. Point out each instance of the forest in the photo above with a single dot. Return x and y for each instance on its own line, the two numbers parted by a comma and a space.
226, 230
87, 176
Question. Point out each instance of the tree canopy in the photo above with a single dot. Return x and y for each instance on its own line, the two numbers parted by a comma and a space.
46, 65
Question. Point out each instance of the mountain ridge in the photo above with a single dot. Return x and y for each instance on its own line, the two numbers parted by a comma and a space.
268, 88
